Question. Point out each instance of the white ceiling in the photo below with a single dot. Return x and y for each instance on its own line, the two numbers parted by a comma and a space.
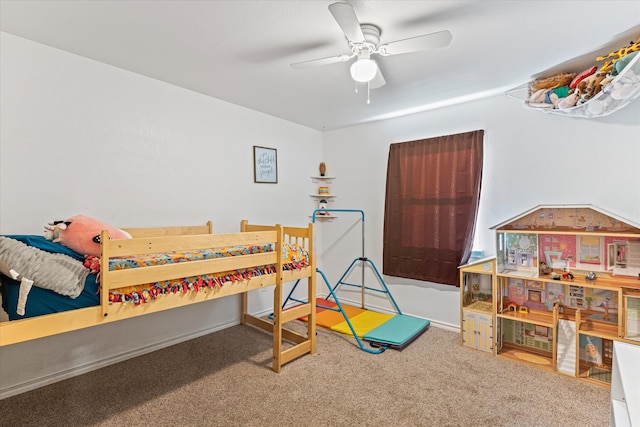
241, 51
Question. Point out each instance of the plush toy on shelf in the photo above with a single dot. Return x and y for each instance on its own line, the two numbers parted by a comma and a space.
549, 83
582, 75
590, 87
617, 55
553, 92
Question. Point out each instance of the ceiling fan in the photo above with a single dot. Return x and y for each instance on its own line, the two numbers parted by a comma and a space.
364, 41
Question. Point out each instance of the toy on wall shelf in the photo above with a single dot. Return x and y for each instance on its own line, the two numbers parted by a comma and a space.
322, 204
512, 307
322, 169
617, 55
591, 276
523, 309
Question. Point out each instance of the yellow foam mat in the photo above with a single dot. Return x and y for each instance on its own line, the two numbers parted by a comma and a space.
362, 323
329, 318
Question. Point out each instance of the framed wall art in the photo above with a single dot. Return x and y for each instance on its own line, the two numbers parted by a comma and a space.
265, 165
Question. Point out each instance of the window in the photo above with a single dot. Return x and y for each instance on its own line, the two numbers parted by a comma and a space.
590, 252
432, 196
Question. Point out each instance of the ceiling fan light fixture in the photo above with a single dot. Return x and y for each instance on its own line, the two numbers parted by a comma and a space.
364, 70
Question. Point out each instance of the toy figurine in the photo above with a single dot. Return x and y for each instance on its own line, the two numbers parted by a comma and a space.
605, 306
544, 268
591, 276
322, 205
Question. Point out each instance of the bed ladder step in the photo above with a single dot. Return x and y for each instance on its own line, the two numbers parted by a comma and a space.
296, 312
295, 351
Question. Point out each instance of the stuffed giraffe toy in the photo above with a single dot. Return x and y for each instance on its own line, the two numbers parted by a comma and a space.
611, 58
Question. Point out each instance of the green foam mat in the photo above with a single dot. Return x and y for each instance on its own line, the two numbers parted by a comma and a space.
397, 331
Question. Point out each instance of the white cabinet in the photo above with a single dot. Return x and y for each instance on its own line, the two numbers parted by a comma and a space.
625, 392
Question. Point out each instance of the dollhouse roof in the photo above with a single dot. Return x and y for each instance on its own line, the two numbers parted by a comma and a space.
569, 218
475, 261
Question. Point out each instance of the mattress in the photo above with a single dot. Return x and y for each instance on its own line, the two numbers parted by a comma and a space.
44, 301
293, 256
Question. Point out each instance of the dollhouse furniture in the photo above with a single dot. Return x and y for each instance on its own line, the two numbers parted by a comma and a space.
257, 257
589, 299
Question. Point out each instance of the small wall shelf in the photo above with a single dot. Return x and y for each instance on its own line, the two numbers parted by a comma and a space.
322, 200
324, 218
323, 179
323, 196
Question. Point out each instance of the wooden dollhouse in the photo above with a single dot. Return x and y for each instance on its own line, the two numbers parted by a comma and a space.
565, 287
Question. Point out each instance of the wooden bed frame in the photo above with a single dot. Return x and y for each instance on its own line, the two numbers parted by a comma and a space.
156, 240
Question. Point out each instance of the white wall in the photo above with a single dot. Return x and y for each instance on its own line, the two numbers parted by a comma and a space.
81, 137
78, 136
530, 158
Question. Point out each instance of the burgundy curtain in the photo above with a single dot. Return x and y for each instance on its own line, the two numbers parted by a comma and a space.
433, 192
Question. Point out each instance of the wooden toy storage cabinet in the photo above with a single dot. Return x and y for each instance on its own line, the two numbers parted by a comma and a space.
566, 287
477, 314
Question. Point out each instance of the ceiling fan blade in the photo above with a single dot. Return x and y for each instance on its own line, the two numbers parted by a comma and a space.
321, 61
416, 44
348, 21
378, 81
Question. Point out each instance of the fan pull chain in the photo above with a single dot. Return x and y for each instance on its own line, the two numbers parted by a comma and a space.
356, 87
368, 90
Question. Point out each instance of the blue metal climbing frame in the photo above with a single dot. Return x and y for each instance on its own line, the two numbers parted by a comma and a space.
362, 261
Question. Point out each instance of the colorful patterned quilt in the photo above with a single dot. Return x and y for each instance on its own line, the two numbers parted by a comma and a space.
293, 257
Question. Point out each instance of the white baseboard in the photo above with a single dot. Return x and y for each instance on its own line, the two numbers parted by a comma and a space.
111, 360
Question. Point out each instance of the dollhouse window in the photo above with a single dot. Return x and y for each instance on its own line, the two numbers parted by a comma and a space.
590, 252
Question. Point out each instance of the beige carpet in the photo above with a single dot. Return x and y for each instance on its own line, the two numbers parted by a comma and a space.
224, 379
